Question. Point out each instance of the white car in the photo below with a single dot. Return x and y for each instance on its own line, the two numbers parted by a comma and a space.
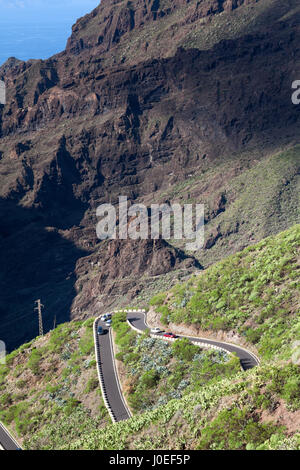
106, 317
156, 330
108, 322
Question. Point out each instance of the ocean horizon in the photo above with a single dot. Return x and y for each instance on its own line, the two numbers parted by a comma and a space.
26, 34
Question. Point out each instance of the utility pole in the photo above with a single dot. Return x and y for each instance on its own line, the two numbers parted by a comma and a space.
54, 324
39, 309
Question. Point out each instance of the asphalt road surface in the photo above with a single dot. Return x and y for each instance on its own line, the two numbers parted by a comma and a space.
7, 442
247, 359
111, 384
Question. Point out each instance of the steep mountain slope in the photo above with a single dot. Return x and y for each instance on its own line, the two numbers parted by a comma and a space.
129, 32
258, 410
253, 294
159, 101
49, 385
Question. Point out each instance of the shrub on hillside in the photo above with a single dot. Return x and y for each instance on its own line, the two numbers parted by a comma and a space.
184, 350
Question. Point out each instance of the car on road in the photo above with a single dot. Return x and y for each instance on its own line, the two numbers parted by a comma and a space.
108, 323
100, 330
106, 317
156, 330
170, 335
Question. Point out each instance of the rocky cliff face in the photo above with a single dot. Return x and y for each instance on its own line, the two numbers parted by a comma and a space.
159, 101
107, 25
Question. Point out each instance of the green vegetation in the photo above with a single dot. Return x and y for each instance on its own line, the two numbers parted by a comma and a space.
223, 415
158, 371
158, 299
235, 429
255, 292
184, 350
93, 384
49, 391
183, 397
267, 191
34, 361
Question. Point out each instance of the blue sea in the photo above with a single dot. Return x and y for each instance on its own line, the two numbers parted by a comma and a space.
39, 32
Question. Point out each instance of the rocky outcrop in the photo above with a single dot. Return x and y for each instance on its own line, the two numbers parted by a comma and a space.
114, 116
119, 269
111, 20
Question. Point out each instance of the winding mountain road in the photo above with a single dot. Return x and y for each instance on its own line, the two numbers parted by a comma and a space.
248, 360
108, 376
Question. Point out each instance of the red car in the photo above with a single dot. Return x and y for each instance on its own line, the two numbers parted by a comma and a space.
170, 335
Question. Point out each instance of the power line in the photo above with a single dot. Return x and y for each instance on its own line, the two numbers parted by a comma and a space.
15, 319
20, 317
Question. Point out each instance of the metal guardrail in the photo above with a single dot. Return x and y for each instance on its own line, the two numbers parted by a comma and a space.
101, 376
12, 443
164, 338
201, 344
